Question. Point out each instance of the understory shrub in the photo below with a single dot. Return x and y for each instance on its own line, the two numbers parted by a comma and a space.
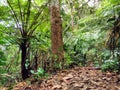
110, 65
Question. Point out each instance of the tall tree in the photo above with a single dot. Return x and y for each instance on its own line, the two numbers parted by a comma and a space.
26, 16
56, 31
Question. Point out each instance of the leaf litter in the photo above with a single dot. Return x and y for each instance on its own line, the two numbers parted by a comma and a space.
78, 78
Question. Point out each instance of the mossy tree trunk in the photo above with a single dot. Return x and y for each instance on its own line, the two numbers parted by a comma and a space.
56, 31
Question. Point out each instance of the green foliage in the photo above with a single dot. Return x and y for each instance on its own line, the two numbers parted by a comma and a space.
7, 80
2, 59
39, 74
3, 80
68, 59
27, 64
110, 65
87, 41
105, 54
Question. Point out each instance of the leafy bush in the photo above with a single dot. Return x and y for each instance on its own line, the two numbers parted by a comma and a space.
7, 80
110, 65
2, 59
39, 74
105, 55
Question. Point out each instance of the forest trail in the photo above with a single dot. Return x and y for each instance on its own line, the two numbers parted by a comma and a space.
78, 78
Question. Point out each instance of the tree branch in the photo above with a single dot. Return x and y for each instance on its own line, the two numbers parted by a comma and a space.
32, 31
21, 16
14, 16
37, 16
28, 14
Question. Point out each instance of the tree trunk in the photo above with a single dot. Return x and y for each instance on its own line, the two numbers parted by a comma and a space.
36, 62
24, 70
56, 31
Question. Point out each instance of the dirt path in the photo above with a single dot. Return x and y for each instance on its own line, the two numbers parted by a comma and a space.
79, 78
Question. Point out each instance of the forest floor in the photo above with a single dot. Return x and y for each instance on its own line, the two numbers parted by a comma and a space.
78, 78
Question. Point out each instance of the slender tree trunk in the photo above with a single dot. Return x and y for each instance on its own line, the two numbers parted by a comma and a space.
36, 62
24, 70
56, 31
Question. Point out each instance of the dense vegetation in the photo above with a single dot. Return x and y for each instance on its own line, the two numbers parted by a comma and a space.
90, 34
